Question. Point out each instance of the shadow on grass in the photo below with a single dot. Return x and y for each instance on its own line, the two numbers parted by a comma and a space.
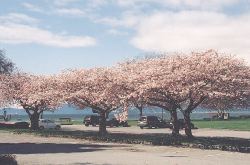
215, 143
44, 148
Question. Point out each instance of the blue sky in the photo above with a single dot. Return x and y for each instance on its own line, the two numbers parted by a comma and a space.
46, 36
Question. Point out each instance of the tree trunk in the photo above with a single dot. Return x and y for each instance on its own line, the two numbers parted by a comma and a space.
140, 109
174, 119
107, 115
34, 119
102, 125
187, 120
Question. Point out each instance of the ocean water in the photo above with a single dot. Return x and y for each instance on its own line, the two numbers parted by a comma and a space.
133, 114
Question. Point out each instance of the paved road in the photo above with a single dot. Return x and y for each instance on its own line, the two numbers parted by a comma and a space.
137, 130
34, 150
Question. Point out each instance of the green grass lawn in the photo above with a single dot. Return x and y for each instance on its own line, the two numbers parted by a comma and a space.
132, 122
234, 124
75, 122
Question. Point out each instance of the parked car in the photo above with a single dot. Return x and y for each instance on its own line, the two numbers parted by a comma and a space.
16, 125
95, 120
48, 124
124, 124
112, 122
116, 123
21, 125
6, 125
91, 120
152, 121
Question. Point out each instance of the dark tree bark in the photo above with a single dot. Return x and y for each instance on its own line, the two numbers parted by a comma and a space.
34, 120
187, 120
174, 119
186, 113
6, 117
102, 125
140, 108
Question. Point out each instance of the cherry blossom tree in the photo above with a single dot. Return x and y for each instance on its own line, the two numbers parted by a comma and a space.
139, 77
183, 82
224, 104
148, 82
125, 76
209, 76
122, 115
34, 93
95, 88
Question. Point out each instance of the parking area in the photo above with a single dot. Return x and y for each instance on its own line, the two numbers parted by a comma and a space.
35, 150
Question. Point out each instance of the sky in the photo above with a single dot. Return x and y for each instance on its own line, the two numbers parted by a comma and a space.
48, 36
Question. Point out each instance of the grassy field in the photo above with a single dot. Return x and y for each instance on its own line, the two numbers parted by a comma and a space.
235, 124
77, 122
132, 122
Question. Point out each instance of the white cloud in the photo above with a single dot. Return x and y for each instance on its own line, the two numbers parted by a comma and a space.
19, 34
16, 28
133, 10
64, 2
96, 3
194, 30
207, 4
70, 12
127, 20
197, 4
116, 32
17, 18
32, 7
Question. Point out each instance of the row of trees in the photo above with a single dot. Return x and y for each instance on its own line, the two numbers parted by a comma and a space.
172, 82
184, 82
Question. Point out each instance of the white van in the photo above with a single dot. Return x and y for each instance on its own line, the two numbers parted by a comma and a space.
48, 124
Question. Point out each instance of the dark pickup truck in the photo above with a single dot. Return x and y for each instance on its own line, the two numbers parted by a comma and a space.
152, 122
94, 120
